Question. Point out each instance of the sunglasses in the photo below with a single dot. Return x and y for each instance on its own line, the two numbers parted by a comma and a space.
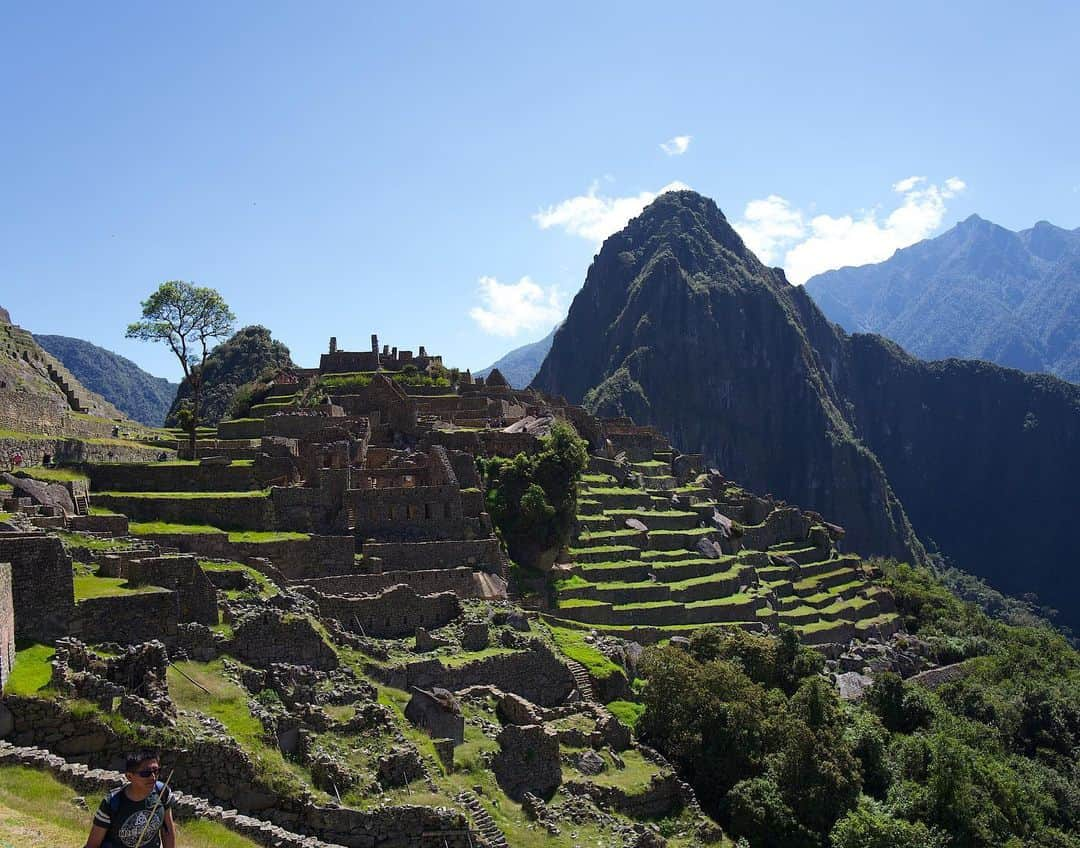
148, 772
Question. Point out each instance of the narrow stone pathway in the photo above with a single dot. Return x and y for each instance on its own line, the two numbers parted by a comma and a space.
86, 780
494, 837
584, 686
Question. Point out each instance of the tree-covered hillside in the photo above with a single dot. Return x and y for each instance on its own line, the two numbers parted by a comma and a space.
139, 395
250, 352
978, 291
985, 757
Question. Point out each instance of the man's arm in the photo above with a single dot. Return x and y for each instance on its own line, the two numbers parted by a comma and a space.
97, 836
168, 831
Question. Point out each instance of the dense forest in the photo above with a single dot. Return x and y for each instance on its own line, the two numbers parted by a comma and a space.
988, 758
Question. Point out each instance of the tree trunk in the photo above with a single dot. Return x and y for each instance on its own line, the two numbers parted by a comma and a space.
196, 385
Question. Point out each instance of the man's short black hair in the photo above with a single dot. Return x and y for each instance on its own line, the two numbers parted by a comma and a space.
135, 759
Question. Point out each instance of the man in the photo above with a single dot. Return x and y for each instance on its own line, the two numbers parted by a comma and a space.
138, 814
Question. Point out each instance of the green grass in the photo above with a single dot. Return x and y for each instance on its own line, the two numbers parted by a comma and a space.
91, 586
188, 496
55, 475
101, 510
572, 643
32, 671
267, 536
149, 528
228, 703
37, 809
266, 586
628, 712
91, 543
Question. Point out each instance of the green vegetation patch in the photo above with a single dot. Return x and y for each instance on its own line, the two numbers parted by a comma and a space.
189, 496
55, 475
32, 670
264, 536
151, 528
573, 645
92, 586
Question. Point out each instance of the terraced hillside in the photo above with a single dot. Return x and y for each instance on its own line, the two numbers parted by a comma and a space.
651, 559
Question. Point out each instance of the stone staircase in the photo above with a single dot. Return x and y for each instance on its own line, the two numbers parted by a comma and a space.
490, 832
75, 401
85, 779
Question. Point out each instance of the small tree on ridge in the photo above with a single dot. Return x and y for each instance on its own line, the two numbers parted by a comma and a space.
185, 317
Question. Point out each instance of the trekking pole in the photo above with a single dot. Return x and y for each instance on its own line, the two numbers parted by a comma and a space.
150, 818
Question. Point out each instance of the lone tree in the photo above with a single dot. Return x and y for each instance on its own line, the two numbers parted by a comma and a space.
185, 317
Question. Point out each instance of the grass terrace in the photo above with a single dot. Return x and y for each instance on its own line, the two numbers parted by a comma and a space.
188, 496
32, 670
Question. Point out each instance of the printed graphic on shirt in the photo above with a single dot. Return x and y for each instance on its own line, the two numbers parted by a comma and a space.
141, 824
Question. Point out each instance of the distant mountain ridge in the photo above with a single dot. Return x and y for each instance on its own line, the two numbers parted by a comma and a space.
520, 365
679, 325
139, 395
977, 291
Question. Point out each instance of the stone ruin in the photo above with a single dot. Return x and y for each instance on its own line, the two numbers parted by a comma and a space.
335, 545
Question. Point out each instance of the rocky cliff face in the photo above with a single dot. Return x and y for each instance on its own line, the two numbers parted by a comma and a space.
679, 325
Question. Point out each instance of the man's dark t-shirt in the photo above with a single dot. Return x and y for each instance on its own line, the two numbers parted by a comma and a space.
126, 820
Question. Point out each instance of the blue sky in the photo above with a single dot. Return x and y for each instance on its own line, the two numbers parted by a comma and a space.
338, 168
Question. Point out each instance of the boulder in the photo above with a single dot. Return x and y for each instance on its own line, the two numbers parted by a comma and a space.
635, 524
613, 733
708, 548
591, 763
52, 495
513, 709
475, 636
528, 761
438, 712
519, 621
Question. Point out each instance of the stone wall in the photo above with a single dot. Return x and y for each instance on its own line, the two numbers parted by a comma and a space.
393, 614
126, 619
113, 525
271, 636
408, 513
247, 513
535, 674
457, 580
7, 624
196, 595
30, 413
159, 477
72, 450
296, 559
43, 593
478, 554
661, 798
785, 524
307, 509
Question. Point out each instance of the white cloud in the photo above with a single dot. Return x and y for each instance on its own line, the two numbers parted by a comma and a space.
509, 308
773, 228
594, 216
768, 225
676, 146
908, 184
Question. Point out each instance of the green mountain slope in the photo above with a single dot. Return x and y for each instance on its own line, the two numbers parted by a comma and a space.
679, 325
978, 291
236, 361
139, 395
